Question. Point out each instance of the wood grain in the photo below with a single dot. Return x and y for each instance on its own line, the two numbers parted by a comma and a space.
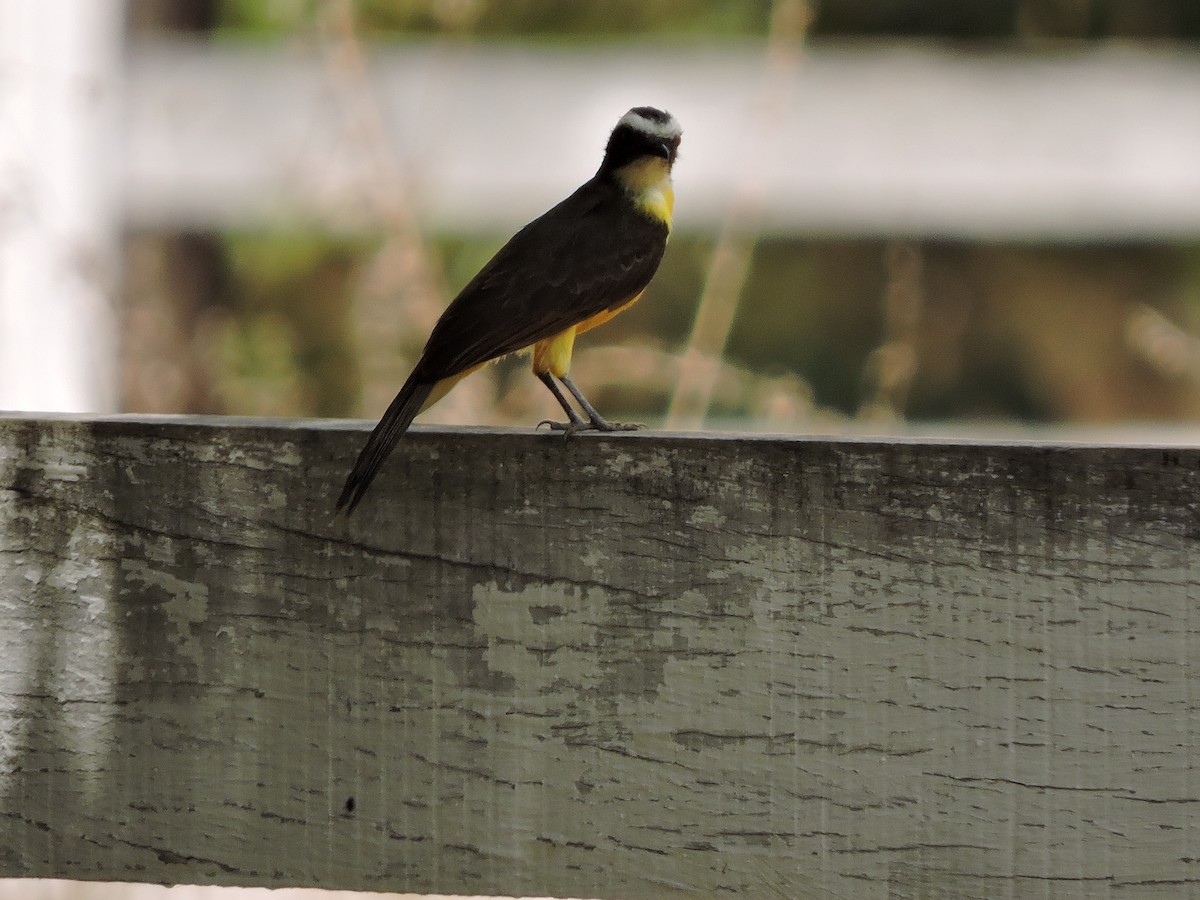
636, 665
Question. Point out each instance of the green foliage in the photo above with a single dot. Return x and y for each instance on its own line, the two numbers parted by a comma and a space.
1189, 276
812, 308
987, 20
535, 19
293, 300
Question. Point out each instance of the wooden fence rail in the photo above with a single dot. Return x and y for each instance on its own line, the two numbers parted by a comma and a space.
1095, 144
618, 666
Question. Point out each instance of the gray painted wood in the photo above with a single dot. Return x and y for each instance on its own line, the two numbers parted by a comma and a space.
624, 666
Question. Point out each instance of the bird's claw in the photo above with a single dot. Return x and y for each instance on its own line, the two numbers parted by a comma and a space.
570, 428
562, 426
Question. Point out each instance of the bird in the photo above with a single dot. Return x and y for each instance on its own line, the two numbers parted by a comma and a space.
574, 267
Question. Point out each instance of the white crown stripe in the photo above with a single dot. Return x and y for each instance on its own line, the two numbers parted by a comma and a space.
635, 120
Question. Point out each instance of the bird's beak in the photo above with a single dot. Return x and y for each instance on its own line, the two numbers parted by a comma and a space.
663, 149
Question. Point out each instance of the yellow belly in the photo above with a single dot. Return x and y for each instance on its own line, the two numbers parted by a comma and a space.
601, 318
553, 355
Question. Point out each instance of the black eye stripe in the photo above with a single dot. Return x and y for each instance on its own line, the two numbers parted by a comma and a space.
634, 134
644, 131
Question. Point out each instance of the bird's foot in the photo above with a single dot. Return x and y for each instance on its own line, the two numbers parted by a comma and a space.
577, 425
617, 426
567, 428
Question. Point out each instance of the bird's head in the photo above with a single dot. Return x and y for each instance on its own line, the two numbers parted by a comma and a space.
644, 135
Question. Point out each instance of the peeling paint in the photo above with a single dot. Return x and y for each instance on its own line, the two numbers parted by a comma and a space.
706, 517
753, 667
184, 603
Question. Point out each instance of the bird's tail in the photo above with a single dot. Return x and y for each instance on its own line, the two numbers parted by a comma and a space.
383, 440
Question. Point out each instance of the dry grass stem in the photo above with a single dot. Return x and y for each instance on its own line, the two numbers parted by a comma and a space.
401, 293
892, 366
730, 263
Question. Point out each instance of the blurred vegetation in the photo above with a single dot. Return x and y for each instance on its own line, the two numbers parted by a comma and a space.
1013, 332
292, 325
708, 19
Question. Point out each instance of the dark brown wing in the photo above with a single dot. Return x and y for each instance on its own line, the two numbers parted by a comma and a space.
590, 253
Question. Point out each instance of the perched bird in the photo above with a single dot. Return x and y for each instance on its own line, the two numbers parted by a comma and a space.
571, 269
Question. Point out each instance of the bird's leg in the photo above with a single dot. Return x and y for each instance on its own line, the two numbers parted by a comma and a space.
575, 423
598, 422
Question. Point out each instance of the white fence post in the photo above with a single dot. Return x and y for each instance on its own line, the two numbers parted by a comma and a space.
59, 217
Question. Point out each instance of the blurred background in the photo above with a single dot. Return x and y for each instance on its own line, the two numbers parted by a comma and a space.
892, 215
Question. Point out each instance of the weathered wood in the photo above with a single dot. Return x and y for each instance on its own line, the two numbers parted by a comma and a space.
617, 666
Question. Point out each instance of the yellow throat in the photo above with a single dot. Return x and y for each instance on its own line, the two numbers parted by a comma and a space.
648, 182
